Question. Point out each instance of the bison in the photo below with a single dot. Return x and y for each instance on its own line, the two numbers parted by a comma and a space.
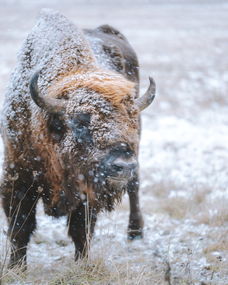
71, 128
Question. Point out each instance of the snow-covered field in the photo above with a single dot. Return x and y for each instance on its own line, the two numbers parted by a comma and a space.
183, 155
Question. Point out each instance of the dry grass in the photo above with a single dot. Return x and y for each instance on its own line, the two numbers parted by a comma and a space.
98, 272
91, 271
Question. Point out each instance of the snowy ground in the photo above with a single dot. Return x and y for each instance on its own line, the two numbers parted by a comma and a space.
184, 147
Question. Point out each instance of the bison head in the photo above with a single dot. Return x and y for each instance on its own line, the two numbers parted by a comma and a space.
92, 134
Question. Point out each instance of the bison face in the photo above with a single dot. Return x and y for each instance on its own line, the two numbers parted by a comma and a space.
95, 142
97, 146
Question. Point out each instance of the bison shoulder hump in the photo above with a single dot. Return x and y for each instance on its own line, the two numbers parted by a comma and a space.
111, 31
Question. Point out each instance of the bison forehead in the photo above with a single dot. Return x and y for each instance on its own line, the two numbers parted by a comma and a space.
88, 102
113, 129
108, 124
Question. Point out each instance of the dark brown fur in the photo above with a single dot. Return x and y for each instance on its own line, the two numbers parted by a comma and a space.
35, 164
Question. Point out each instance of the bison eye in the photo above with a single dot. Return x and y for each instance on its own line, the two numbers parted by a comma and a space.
56, 127
121, 150
79, 125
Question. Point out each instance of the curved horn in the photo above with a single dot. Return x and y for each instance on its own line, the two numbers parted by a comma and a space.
49, 104
144, 101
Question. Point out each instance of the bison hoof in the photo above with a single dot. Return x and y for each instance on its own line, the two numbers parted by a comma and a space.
80, 255
19, 265
134, 234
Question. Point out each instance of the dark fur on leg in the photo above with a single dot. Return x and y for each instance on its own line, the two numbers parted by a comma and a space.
81, 224
135, 226
20, 211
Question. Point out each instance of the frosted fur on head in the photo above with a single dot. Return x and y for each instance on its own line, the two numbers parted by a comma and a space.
112, 86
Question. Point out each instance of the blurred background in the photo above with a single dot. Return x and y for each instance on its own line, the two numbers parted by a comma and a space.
184, 146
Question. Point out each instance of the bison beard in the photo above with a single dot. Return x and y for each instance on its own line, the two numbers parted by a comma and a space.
71, 139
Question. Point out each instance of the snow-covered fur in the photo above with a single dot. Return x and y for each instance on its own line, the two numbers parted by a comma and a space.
60, 157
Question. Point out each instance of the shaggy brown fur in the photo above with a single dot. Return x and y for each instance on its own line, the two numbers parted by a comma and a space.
78, 167
49, 153
111, 85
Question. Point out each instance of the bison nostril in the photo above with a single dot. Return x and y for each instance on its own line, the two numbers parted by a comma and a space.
122, 167
117, 167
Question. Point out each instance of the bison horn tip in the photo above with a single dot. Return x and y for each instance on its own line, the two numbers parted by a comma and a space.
144, 101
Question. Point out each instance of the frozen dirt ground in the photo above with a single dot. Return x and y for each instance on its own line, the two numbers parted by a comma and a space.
184, 146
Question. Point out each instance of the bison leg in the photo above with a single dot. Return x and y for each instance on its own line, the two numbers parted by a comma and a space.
20, 211
135, 226
81, 224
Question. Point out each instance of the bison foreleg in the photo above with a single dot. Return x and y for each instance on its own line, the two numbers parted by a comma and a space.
20, 211
81, 223
135, 226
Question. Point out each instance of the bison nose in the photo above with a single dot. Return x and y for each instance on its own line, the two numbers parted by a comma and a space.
122, 167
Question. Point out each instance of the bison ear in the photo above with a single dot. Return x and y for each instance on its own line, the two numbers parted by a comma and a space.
56, 126
44, 102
